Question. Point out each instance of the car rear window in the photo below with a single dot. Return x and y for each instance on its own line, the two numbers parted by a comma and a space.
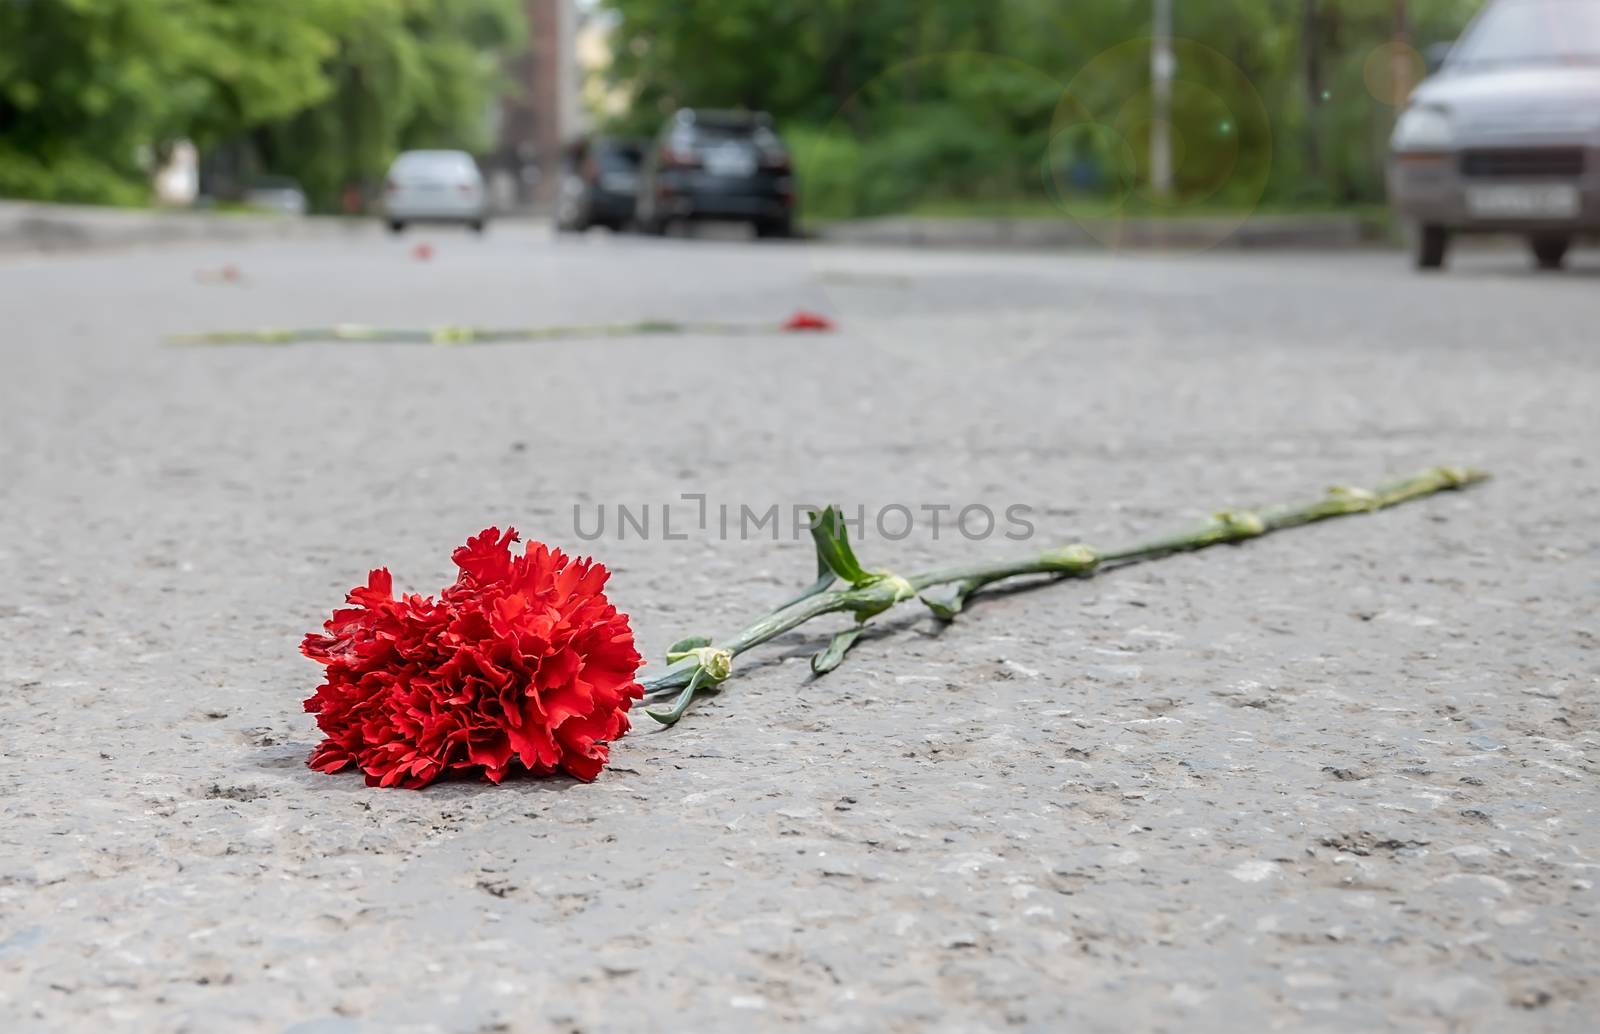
703, 137
434, 163
720, 134
619, 159
1532, 32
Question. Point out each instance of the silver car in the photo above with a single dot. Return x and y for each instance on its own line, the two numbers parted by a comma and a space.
435, 187
277, 194
1505, 138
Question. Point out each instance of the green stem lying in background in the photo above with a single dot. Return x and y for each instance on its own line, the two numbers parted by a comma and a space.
459, 335
698, 663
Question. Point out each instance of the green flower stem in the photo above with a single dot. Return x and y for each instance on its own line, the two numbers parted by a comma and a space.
1075, 560
773, 625
460, 335
1339, 501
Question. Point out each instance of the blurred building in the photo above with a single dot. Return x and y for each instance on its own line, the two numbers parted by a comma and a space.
177, 180
601, 98
542, 113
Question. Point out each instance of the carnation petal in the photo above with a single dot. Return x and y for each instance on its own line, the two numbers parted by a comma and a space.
532, 740
587, 766
574, 699
492, 753
487, 555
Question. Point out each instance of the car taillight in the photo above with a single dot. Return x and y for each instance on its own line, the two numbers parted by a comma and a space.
679, 159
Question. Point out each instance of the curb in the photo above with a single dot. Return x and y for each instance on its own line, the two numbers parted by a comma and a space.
38, 227
1241, 232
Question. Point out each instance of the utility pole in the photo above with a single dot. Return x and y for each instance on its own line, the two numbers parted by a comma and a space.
1311, 57
1401, 56
1162, 67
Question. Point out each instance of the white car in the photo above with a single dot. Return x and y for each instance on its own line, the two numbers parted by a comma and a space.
435, 187
277, 194
1506, 137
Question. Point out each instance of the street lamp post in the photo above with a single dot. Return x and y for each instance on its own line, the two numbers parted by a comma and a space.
1162, 67
1401, 56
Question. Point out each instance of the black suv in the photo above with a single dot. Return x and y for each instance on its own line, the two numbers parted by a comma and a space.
598, 184
718, 165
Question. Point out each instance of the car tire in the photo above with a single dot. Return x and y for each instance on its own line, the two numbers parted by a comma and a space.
775, 229
477, 226
1433, 242
1549, 249
396, 226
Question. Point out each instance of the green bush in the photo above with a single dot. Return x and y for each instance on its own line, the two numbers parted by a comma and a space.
935, 155
67, 176
828, 170
324, 90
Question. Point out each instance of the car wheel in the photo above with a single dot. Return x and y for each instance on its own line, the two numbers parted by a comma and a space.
396, 226
573, 219
1549, 249
1432, 243
775, 228
477, 226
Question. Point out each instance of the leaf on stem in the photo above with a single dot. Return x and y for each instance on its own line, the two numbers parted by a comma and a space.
1077, 559
824, 582
831, 657
833, 547
680, 705
947, 608
1234, 525
684, 647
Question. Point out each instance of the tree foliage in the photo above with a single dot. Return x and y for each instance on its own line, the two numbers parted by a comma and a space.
92, 90
946, 98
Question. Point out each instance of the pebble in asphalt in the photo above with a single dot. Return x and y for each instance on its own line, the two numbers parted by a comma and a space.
1337, 779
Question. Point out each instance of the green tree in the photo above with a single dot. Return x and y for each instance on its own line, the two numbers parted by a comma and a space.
91, 91
404, 74
947, 98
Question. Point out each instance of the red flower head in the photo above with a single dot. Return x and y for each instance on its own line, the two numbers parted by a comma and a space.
804, 320
521, 663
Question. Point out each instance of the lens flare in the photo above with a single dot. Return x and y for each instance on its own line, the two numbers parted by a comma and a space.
1218, 132
1392, 71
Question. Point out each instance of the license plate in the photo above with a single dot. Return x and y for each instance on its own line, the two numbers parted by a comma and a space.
730, 161
1523, 201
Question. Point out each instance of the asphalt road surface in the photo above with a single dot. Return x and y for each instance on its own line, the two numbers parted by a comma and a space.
1338, 779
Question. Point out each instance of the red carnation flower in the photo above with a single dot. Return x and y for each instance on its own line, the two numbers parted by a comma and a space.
521, 663
803, 320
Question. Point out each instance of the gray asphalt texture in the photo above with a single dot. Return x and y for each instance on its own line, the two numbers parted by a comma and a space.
1338, 779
